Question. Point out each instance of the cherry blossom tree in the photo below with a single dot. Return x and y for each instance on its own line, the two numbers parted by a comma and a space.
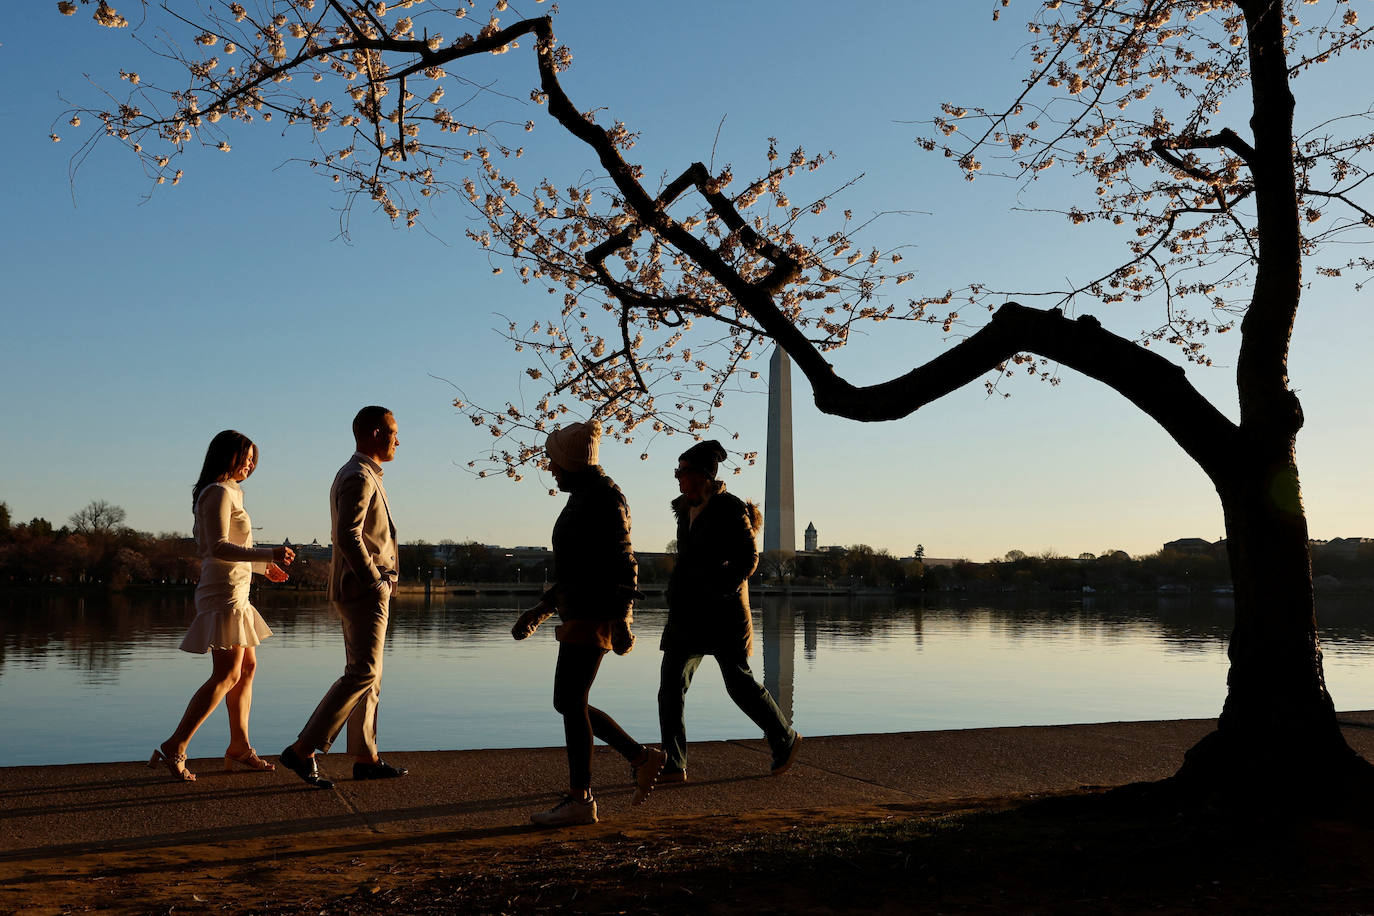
1177, 117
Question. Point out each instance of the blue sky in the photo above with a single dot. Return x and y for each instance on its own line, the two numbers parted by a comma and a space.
134, 329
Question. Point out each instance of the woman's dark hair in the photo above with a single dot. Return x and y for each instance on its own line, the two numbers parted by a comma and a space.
226, 454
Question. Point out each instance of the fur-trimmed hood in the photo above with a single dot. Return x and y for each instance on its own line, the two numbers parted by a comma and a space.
753, 514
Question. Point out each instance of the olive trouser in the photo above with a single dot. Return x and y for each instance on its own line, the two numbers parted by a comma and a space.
675, 677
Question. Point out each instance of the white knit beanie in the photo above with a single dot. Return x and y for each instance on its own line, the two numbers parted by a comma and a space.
574, 447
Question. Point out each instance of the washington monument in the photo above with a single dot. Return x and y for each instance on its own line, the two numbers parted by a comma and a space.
779, 531
779, 522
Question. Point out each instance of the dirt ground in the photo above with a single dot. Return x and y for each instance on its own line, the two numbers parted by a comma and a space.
1086, 852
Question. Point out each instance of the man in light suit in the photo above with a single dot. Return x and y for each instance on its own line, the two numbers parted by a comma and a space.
362, 577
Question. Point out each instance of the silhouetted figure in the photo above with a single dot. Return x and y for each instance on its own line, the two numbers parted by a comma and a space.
226, 625
708, 609
363, 572
595, 579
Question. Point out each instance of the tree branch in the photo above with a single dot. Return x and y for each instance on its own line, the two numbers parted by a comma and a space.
1225, 139
753, 299
1365, 215
1152, 383
1148, 380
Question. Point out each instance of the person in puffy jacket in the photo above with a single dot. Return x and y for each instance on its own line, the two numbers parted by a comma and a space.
595, 579
708, 609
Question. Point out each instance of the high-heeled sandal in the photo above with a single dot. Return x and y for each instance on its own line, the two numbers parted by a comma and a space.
175, 764
249, 761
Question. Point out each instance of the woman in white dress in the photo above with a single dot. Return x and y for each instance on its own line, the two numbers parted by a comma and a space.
226, 624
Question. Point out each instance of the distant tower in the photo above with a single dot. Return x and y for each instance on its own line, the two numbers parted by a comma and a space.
779, 523
811, 536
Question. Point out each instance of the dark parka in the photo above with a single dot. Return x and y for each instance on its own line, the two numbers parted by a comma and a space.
708, 592
595, 571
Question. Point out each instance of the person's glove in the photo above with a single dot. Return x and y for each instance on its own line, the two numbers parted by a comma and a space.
529, 621
622, 640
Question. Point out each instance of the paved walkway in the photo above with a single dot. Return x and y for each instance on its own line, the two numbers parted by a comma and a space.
47, 812
50, 817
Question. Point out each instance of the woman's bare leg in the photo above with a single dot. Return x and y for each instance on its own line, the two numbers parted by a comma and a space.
223, 678
239, 702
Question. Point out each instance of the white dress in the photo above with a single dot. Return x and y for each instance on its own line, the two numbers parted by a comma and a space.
224, 540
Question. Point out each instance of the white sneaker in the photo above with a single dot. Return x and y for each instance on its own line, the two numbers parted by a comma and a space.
570, 812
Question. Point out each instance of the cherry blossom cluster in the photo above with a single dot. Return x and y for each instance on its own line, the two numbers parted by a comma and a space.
1129, 96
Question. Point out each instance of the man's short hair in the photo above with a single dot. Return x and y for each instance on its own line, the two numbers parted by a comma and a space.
368, 419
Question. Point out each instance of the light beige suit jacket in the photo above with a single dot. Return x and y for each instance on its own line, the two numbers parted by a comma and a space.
364, 536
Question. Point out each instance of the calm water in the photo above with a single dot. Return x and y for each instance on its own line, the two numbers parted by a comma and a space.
101, 679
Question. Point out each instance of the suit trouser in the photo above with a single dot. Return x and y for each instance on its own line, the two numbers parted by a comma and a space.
675, 677
353, 698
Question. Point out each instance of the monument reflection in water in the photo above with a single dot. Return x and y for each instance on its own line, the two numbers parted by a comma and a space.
779, 652
100, 678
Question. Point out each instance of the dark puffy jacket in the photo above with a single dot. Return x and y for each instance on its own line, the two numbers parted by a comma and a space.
708, 592
595, 571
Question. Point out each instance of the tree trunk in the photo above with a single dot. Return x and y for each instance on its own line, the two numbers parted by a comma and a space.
1278, 726
1278, 729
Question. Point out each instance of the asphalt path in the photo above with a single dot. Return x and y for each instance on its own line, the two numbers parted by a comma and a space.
49, 813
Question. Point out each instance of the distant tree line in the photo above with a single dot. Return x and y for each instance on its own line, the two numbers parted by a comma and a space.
857, 566
1111, 571
471, 561
862, 566
95, 547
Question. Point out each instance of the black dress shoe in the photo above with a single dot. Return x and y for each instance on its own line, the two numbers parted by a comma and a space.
307, 769
379, 770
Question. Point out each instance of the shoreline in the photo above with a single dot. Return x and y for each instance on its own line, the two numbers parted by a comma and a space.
410, 589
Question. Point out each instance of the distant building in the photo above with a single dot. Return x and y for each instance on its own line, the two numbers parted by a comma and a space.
450, 552
811, 537
1345, 548
314, 550
1190, 546
529, 555
928, 562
